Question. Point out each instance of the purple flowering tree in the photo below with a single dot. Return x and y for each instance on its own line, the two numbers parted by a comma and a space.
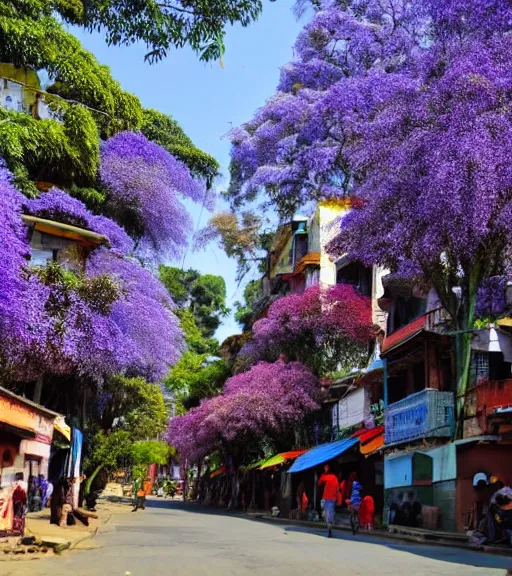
60, 206
430, 145
145, 186
402, 105
291, 149
261, 403
322, 327
143, 314
22, 299
117, 318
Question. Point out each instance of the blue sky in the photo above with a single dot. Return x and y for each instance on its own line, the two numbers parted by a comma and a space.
207, 100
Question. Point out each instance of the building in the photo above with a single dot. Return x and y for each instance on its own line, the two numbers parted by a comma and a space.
26, 435
425, 469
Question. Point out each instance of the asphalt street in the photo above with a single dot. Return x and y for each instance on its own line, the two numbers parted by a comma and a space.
175, 538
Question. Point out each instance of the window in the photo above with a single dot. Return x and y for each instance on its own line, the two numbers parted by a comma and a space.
357, 275
40, 257
404, 310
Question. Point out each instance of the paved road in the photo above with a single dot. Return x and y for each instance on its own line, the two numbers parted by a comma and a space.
173, 538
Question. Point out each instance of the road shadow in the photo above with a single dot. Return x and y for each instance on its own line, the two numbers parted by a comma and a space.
461, 556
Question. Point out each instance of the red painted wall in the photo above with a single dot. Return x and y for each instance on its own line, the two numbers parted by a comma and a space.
493, 459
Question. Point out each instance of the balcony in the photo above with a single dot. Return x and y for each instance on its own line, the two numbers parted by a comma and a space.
426, 414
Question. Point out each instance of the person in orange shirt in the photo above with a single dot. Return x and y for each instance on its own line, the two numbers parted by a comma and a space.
331, 486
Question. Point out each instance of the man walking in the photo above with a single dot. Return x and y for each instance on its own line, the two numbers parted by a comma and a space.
331, 486
138, 494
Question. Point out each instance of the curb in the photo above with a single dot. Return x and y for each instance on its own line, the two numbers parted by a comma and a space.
389, 536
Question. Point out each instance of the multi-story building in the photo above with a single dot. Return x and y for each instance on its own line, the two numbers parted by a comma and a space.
425, 469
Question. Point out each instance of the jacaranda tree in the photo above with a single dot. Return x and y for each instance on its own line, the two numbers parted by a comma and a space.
325, 328
260, 404
402, 105
429, 145
145, 185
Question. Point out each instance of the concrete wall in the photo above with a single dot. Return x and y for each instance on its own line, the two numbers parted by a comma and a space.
398, 481
24, 451
379, 317
328, 213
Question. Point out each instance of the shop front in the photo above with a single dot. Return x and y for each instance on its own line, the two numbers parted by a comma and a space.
420, 487
26, 432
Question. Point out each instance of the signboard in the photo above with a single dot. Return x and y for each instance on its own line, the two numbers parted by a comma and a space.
17, 414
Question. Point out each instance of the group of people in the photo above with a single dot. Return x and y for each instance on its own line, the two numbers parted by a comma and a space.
347, 492
40, 491
491, 516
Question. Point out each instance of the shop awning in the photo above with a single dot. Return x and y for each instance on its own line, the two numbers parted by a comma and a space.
322, 453
376, 443
370, 434
60, 425
281, 458
65, 230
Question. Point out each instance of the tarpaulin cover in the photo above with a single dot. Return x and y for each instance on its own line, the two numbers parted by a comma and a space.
256, 464
281, 458
322, 453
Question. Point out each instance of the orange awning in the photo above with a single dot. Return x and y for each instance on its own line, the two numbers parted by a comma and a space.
373, 445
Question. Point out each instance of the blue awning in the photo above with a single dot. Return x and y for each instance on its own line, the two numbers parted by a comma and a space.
322, 453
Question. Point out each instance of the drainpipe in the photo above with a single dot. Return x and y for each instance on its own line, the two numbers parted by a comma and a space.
385, 377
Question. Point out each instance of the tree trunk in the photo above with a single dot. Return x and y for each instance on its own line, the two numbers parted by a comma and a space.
464, 347
252, 505
84, 408
38, 390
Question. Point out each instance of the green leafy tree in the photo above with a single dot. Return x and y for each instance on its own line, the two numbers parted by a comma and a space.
194, 338
166, 132
161, 25
204, 295
135, 406
245, 313
151, 452
195, 377
109, 451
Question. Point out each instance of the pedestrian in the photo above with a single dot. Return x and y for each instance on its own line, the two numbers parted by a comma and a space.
331, 485
366, 512
494, 530
138, 494
67, 502
503, 514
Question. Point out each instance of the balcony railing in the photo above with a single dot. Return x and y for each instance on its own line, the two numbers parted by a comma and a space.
426, 414
494, 394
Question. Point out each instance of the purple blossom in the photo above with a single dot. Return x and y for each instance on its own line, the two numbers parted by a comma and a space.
145, 183
49, 329
143, 315
265, 401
